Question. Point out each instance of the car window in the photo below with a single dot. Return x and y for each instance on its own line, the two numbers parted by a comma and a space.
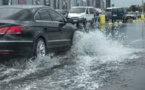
37, 16
91, 10
55, 16
22, 15
114, 10
15, 14
120, 10
44, 15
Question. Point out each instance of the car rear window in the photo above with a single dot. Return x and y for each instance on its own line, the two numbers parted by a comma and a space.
120, 10
117, 10
114, 10
15, 14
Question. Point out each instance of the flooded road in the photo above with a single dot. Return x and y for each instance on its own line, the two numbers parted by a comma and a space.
94, 57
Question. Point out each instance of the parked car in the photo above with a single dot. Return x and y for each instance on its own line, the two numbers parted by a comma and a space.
118, 14
82, 14
33, 30
131, 15
63, 12
139, 14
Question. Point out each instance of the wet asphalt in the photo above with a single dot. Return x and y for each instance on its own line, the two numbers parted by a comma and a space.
132, 75
101, 58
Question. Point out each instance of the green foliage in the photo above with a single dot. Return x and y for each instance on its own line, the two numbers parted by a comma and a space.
134, 8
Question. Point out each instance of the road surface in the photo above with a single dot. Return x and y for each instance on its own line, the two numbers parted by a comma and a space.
98, 60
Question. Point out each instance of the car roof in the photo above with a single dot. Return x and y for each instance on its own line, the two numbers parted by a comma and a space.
24, 6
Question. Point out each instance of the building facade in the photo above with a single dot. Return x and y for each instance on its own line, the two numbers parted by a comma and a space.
95, 3
108, 3
57, 4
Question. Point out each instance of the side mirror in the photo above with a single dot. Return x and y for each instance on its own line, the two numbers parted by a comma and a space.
61, 24
69, 20
66, 16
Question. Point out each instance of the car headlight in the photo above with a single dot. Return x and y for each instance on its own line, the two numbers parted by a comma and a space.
68, 16
82, 16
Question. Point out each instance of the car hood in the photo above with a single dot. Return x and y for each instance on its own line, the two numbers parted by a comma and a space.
130, 15
75, 15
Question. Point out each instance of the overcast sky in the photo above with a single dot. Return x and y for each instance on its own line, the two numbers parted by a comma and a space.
126, 3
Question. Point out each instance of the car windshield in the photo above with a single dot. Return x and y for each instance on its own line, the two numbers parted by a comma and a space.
77, 10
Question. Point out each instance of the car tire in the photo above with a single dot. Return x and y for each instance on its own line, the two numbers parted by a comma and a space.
124, 20
112, 20
85, 22
39, 48
92, 22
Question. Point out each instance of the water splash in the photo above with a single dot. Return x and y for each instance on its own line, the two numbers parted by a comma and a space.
91, 59
96, 44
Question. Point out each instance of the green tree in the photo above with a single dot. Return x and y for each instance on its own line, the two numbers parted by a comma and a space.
134, 8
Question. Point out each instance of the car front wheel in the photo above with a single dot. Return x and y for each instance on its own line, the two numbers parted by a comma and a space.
92, 21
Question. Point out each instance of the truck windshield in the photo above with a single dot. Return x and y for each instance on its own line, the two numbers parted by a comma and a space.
77, 10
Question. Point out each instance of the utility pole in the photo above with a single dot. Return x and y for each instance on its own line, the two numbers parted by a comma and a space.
142, 6
123, 4
142, 15
108, 3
